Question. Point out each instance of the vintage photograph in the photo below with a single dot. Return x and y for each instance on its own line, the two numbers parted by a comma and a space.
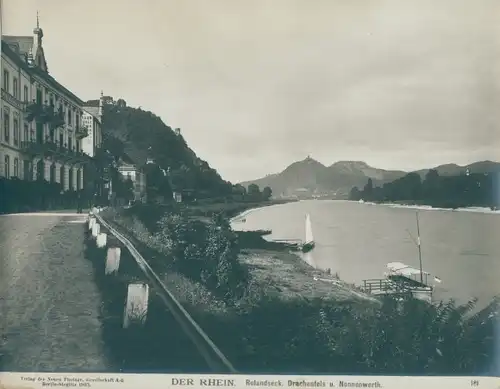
252, 187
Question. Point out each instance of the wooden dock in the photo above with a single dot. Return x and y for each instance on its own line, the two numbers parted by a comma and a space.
388, 287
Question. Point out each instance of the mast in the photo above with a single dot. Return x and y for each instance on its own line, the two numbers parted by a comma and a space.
419, 250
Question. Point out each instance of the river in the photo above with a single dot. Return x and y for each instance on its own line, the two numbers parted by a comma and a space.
358, 240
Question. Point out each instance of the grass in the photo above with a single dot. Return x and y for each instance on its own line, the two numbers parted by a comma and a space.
287, 276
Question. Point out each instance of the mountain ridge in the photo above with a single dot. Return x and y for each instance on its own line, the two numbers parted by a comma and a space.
311, 177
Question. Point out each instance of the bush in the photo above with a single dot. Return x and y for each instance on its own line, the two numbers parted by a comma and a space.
406, 337
205, 252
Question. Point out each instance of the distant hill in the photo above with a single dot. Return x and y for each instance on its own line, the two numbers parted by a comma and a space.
141, 135
309, 177
452, 169
312, 177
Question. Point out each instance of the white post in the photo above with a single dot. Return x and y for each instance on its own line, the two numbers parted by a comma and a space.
96, 228
92, 221
136, 307
101, 240
112, 260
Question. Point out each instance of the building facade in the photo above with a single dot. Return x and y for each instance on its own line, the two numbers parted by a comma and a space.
92, 120
41, 120
129, 170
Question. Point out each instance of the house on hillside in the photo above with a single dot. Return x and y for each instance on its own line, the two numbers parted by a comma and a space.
130, 170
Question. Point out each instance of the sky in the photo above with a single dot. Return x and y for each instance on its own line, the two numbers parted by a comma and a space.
255, 85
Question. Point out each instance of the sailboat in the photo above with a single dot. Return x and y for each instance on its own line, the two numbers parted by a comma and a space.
308, 244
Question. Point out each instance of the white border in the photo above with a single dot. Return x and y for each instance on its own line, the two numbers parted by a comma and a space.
163, 381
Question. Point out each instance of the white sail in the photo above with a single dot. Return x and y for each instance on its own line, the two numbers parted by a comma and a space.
309, 232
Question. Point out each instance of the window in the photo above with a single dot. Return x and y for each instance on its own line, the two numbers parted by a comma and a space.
7, 166
70, 142
69, 116
62, 178
26, 95
16, 167
16, 131
6, 127
6, 82
77, 122
26, 133
14, 87
27, 170
39, 96
53, 173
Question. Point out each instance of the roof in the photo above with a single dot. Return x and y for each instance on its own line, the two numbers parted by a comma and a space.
92, 103
21, 43
93, 111
404, 270
126, 159
56, 85
15, 57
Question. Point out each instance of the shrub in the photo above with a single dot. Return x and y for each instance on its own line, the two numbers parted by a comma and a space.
324, 336
204, 252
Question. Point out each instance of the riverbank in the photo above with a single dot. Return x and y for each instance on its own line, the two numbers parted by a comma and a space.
269, 312
437, 207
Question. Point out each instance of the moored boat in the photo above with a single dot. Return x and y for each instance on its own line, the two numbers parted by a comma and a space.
403, 279
309, 243
305, 245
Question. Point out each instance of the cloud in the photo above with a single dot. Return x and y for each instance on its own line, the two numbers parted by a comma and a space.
256, 85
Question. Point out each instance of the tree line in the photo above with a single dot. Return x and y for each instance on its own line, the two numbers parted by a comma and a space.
464, 190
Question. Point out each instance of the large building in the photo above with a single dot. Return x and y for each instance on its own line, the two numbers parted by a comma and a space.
92, 119
41, 120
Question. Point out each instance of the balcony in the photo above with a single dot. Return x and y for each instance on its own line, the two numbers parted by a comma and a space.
57, 120
43, 113
32, 110
55, 151
81, 132
12, 100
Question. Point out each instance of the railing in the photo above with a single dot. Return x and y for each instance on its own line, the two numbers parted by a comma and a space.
12, 100
208, 350
390, 287
49, 148
378, 285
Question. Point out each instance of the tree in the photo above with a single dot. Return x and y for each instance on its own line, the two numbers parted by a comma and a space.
368, 189
267, 193
355, 194
254, 191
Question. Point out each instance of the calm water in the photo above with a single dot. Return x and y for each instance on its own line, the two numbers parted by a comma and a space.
358, 240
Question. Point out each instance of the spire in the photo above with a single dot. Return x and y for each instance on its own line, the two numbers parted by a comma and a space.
38, 31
